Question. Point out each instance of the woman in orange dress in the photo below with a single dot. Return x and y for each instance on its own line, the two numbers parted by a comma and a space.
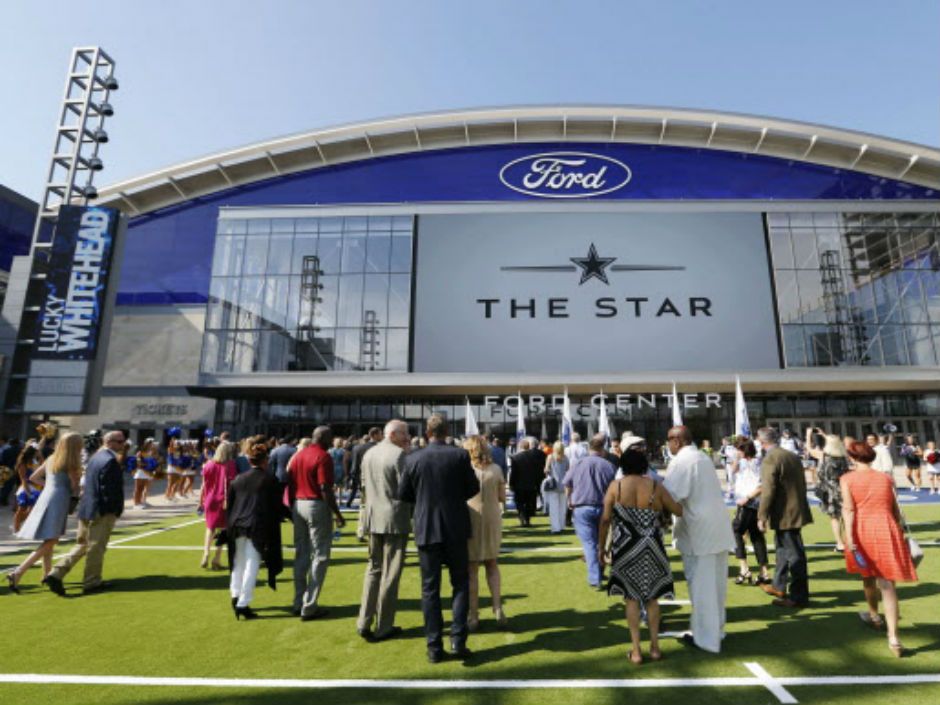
875, 547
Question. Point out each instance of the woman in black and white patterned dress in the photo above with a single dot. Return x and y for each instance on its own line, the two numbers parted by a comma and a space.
639, 569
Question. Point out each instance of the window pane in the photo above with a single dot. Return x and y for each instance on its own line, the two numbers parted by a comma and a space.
232, 226
377, 252
376, 297
276, 291
804, 249
325, 309
223, 299
788, 300
396, 353
259, 226
812, 307
256, 254
399, 300
279, 254
401, 253
354, 252
243, 352
330, 250
793, 346
305, 245
229, 252
781, 249
282, 225
250, 302
349, 310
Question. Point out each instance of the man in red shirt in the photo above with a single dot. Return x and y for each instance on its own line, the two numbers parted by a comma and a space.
313, 506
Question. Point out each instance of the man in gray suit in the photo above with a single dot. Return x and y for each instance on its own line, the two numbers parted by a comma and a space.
387, 521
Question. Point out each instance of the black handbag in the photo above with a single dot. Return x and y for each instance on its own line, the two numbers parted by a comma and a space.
73, 504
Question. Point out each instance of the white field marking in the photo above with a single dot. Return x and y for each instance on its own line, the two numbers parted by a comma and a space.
161, 530
399, 684
769, 682
505, 684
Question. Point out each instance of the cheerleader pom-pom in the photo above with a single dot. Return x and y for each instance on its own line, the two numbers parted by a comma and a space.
174, 432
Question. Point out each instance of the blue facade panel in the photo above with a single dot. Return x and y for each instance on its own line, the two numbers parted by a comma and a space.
187, 231
17, 216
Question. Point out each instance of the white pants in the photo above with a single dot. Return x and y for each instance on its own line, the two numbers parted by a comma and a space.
245, 571
708, 586
557, 507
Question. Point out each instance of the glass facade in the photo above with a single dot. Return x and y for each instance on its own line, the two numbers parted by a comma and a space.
857, 288
298, 294
648, 415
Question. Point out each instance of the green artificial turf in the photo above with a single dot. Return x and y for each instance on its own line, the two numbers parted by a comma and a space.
168, 617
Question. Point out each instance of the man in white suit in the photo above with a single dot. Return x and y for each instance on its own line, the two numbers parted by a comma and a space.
703, 536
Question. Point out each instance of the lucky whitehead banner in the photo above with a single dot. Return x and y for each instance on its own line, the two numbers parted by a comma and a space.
79, 268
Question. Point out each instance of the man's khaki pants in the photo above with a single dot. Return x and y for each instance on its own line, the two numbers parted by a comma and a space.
92, 540
380, 586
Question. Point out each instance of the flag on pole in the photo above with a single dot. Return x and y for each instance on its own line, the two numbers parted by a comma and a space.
676, 411
566, 426
742, 426
520, 419
603, 424
470, 424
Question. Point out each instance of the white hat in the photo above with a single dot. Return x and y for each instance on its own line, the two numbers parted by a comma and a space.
628, 440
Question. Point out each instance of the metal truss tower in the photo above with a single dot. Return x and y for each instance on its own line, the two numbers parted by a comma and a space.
79, 134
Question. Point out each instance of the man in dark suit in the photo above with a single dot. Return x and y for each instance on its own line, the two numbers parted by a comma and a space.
101, 504
355, 464
525, 479
783, 506
439, 480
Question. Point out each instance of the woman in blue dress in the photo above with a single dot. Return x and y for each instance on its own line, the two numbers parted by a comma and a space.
46, 522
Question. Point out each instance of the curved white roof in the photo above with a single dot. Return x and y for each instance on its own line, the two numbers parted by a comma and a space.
815, 144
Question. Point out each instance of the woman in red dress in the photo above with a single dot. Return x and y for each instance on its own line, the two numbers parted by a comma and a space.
217, 475
875, 547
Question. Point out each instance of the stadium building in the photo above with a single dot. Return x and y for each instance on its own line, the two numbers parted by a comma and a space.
404, 266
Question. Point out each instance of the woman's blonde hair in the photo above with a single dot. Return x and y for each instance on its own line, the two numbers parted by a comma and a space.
558, 450
479, 451
224, 453
304, 442
67, 455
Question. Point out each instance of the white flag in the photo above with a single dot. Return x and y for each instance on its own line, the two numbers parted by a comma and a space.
676, 411
567, 429
742, 426
520, 420
470, 423
603, 425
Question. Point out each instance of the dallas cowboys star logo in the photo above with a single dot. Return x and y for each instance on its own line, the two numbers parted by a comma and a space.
592, 265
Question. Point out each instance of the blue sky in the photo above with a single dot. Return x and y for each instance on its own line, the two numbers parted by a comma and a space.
201, 76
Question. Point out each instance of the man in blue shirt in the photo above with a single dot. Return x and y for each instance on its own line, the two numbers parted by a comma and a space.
586, 483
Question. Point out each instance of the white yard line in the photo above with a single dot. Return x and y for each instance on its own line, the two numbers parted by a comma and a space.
155, 532
760, 679
769, 682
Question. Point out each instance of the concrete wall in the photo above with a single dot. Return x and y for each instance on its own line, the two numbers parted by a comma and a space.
153, 354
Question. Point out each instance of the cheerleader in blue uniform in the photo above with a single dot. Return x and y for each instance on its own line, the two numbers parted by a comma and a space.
145, 467
174, 458
28, 492
187, 463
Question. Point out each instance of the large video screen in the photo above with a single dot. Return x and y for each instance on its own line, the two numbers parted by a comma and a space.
593, 292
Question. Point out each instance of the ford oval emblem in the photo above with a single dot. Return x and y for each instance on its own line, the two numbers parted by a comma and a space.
565, 175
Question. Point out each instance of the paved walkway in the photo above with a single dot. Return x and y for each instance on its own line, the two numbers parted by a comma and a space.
160, 509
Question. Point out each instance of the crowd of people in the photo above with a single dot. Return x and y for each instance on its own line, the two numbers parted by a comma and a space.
452, 497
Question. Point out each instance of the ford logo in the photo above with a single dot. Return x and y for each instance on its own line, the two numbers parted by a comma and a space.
565, 175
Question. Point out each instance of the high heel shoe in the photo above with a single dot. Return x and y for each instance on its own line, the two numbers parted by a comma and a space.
744, 579
205, 560
217, 566
897, 648
245, 612
500, 615
12, 583
234, 603
636, 657
473, 624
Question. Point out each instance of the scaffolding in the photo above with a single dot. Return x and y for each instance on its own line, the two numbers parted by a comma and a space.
846, 339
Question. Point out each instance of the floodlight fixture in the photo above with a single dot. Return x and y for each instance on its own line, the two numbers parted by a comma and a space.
111, 83
99, 135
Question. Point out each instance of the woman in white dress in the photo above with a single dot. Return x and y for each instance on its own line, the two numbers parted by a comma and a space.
556, 465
